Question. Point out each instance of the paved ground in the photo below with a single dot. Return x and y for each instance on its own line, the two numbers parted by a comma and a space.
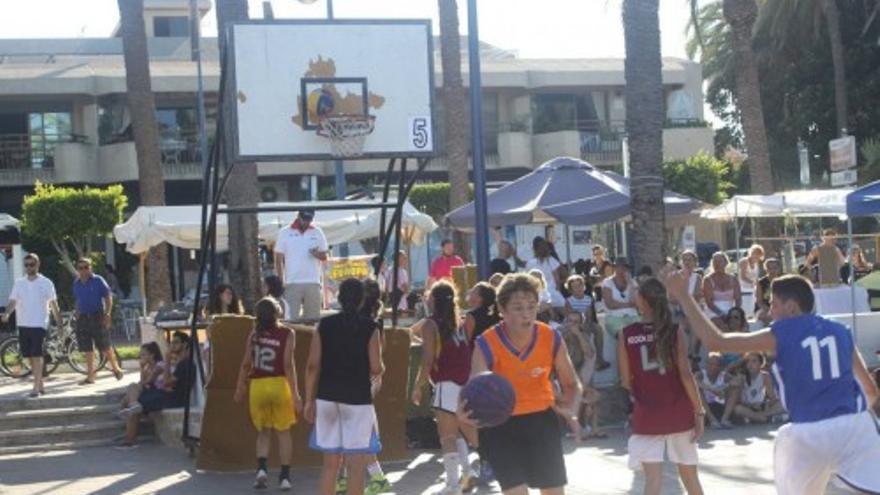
731, 463
65, 384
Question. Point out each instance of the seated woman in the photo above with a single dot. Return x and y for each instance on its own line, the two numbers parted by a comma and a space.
715, 385
618, 295
721, 291
758, 400
223, 301
152, 374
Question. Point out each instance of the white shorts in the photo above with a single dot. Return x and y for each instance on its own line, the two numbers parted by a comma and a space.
846, 448
345, 429
649, 448
446, 396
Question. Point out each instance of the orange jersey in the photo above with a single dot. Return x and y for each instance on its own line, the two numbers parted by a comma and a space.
529, 369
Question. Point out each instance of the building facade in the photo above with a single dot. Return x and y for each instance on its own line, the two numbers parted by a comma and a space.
64, 120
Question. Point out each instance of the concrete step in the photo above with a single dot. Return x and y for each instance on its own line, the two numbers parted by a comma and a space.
37, 418
68, 432
9, 452
50, 401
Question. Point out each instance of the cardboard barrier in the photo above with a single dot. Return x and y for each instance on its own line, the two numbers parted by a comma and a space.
228, 438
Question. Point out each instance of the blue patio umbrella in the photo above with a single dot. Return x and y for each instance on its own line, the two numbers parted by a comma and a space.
564, 190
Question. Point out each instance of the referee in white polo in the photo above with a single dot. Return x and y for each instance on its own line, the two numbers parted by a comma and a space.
299, 251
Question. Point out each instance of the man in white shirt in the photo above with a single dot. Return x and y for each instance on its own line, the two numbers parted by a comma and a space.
299, 251
32, 297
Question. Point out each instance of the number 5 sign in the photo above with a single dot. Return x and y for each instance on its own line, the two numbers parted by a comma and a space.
420, 138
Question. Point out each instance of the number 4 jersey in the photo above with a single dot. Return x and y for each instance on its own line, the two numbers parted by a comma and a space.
660, 404
814, 369
269, 348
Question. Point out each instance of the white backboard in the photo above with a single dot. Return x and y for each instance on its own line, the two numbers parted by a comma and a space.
380, 67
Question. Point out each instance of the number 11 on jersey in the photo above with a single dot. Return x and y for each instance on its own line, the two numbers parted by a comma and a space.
815, 345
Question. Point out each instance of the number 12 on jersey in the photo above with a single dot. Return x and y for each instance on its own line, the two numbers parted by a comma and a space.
815, 346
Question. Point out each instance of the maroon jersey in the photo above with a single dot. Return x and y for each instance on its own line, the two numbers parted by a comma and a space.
453, 363
269, 352
660, 403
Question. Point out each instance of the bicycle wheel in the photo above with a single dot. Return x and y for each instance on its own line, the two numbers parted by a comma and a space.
50, 364
11, 361
77, 360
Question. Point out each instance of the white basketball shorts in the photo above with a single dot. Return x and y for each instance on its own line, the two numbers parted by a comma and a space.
650, 448
845, 448
345, 429
446, 396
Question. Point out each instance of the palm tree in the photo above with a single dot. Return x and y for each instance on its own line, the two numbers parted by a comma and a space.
644, 128
244, 261
142, 106
454, 100
781, 16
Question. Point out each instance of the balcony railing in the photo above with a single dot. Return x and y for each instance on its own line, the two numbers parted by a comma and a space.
32, 151
181, 146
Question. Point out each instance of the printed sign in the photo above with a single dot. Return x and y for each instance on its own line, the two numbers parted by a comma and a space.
842, 153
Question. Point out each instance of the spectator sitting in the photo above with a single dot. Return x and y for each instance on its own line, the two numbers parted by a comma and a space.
773, 268
550, 267
618, 295
714, 383
223, 301
720, 290
483, 313
583, 303
545, 300
275, 290
178, 379
152, 374
758, 400
734, 322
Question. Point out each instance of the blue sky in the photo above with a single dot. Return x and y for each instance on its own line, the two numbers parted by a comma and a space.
565, 28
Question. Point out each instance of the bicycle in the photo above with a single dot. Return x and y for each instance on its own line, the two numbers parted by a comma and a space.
59, 346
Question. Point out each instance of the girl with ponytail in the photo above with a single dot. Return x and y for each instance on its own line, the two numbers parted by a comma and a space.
667, 411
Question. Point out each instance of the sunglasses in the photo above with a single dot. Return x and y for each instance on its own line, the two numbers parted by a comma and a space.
30, 265
83, 267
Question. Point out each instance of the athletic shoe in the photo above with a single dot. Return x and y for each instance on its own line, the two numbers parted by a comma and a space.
377, 485
126, 446
341, 485
284, 485
130, 411
262, 480
487, 475
726, 424
468, 484
450, 490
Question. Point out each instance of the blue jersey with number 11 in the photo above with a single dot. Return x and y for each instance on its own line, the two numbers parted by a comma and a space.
814, 369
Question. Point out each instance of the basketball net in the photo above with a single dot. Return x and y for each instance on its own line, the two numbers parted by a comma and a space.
347, 133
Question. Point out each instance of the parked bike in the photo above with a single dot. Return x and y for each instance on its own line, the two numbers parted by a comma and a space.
58, 347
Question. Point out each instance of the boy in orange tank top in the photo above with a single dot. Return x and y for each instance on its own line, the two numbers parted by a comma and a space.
525, 451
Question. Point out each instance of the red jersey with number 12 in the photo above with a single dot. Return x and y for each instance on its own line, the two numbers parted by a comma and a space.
269, 352
660, 404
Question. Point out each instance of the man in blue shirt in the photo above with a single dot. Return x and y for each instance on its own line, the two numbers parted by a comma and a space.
822, 381
94, 304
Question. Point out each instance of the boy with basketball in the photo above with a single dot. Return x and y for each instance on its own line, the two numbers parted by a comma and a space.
446, 360
345, 355
822, 382
526, 450
269, 369
668, 415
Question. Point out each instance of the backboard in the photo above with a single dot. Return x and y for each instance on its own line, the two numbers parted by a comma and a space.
288, 75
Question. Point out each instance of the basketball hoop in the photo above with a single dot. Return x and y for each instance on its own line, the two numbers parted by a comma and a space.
347, 133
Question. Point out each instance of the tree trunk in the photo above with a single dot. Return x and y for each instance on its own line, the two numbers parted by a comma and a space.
142, 106
741, 15
644, 129
832, 20
454, 100
243, 190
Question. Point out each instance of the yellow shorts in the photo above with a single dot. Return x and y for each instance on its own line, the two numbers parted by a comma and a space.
271, 404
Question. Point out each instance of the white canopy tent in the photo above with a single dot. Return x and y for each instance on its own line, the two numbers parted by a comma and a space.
180, 226
7, 221
806, 203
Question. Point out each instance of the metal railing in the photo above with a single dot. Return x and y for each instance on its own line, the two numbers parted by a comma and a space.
32, 151
180, 146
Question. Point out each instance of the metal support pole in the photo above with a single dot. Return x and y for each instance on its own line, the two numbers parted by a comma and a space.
338, 168
852, 281
482, 224
397, 222
568, 244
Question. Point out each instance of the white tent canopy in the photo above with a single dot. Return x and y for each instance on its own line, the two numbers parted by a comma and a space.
8, 221
806, 203
180, 226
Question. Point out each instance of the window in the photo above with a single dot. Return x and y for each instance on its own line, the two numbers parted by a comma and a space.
46, 130
564, 112
170, 27
490, 123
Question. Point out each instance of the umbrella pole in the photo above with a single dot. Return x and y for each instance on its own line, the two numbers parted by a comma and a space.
736, 226
142, 271
568, 244
852, 280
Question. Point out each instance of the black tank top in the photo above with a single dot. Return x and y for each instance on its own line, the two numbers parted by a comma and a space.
483, 320
345, 358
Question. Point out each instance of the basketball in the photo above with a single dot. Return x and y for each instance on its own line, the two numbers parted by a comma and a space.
320, 104
490, 399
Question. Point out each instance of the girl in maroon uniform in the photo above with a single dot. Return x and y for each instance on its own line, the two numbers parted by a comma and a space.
446, 359
667, 412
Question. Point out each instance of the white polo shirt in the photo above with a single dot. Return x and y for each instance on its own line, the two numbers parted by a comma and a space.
32, 299
300, 267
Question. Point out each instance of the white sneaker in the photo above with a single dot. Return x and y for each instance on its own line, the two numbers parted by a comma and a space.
284, 485
450, 490
262, 480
